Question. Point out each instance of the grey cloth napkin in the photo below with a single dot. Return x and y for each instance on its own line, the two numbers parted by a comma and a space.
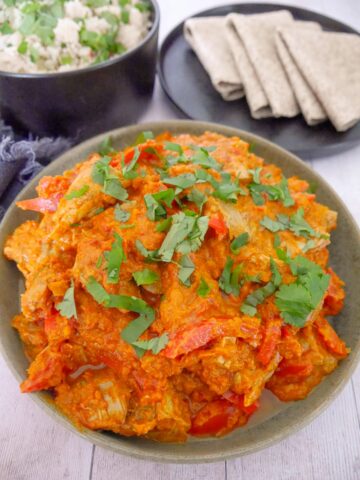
21, 159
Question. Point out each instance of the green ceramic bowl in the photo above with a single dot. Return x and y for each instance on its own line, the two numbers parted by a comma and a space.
275, 420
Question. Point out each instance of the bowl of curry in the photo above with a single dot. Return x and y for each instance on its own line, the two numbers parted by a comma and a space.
176, 291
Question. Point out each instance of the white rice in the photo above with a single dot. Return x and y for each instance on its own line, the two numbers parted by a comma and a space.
67, 35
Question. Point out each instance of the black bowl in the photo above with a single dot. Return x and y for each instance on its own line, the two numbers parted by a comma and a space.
81, 103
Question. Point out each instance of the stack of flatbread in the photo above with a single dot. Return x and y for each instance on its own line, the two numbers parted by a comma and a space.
283, 67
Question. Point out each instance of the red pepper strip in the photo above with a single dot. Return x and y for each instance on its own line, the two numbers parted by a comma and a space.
218, 224
215, 418
294, 369
42, 205
271, 338
193, 336
330, 337
45, 372
238, 400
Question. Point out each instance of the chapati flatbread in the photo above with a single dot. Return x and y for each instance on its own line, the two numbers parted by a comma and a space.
257, 33
310, 106
330, 63
255, 95
206, 36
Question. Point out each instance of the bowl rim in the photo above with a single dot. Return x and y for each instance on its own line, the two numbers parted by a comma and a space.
90, 68
98, 438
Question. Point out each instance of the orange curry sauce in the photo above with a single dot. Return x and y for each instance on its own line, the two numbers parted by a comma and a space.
212, 361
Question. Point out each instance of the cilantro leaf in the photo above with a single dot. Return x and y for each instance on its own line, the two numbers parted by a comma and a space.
144, 137
155, 344
120, 214
67, 307
174, 147
181, 227
297, 300
239, 242
299, 226
273, 225
229, 281
77, 193
106, 147
128, 168
228, 190
164, 225
97, 291
185, 180
197, 197
150, 255
259, 295
115, 257
155, 210
278, 192
186, 269
145, 277
101, 170
113, 187
136, 327
203, 158
203, 289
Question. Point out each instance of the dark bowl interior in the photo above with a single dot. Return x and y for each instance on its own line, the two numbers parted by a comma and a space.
87, 101
275, 420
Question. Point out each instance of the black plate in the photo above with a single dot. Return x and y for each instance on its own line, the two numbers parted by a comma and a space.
188, 86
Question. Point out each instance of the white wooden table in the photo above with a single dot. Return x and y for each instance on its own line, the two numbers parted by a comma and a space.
33, 446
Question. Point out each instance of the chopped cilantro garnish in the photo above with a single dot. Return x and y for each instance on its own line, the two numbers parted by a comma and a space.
128, 168
155, 210
174, 147
6, 29
296, 224
97, 291
259, 295
182, 181
113, 187
197, 197
239, 242
77, 193
155, 344
144, 136
203, 158
115, 257
101, 170
164, 225
145, 277
277, 240
278, 192
203, 289
106, 147
309, 245
227, 190
120, 214
67, 307
229, 281
22, 48
186, 269
298, 300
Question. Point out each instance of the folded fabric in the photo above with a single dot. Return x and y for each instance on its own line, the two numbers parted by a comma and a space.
330, 63
206, 36
310, 106
21, 160
257, 33
255, 95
